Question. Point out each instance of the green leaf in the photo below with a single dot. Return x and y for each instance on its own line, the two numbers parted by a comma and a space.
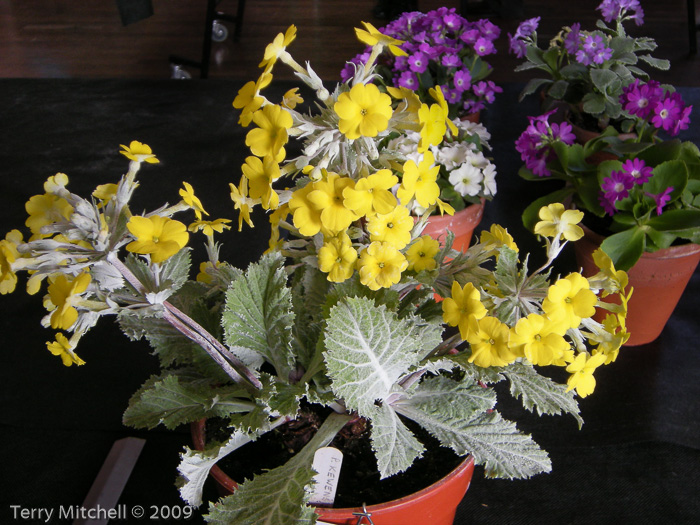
369, 349
258, 316
676, 221
658, 63
593, 103
279, 496
175, 270
394, 445
532, 86
558, 89
476, 373
603, 79
308, 297
540, 393
625, 248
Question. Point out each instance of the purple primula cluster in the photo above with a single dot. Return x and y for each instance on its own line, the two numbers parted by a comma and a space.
446, 46
524, 31
535, 143
621, 9
651, 103
619, 184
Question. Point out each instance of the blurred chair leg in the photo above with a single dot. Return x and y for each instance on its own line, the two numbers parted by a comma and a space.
693, 27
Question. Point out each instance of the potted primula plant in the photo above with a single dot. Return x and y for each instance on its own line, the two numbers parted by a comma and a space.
335, 335
642, 199
585, 71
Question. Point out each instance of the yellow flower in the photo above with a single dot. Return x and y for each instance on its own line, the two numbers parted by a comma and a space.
488, 339
569, 299
44, 210
421, 254
539, 339
371, 36
393, 227
439, 97
445, 207
559, 222
581, 370
105, 192
276, 218
381, 265
159, 237
291, 98
63, 294
8, 255
337, 258
277, 47
618, 277
462, 308
209, 227
241, 202
204, 275
432, 126
192, 201
327, 196
305, 215
56, 182
496, 237
611, 338
138, 152
420, 181
364, 111
372, 194
269, 138
248, 99
412, 100
261, 174
64, 349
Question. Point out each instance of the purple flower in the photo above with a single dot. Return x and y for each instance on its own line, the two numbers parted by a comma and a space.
572, 40
528, 27
617, 185
524, 30
638, 170
535, 143
683, 122
617, 10
640, 99
462, 79
453, 21
418, 62
409, 80
603, 54
483, 47
593, 42
582, 57
452, 96
607, 205
666, 113
488, 30
451, 60
470, 36
662, 199
563, 132
517, 46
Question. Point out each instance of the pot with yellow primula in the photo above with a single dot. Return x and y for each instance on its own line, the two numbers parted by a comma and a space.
338, 320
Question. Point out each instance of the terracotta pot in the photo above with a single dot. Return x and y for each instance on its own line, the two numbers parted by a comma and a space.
658, 279
472, 117
436, 504
462, 224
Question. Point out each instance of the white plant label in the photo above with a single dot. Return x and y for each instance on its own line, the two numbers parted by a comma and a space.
327, 462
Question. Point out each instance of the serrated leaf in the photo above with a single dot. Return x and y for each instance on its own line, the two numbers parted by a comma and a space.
173, 402
369, 348
279, 496
540, 393
477, 374
394, 445
258, 315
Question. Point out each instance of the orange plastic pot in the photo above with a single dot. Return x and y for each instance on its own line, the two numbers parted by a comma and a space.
658, 279
436, 504
462, 224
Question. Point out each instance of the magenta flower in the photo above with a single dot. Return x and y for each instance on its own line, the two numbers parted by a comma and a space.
639, 99
607, 205
602, 55
638, 170
524, 30
662, 199
572, 41
618, 10
683, 122
617, 185
535, 143
666, 113
484, 47
463, 79
452, 96
592, 43
418, 62
409, 80
451, 60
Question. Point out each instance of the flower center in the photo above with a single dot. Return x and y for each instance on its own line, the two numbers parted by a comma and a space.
663, 113
363, 112
492, 341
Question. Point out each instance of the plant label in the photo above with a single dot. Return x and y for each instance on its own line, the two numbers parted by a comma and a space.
327, 462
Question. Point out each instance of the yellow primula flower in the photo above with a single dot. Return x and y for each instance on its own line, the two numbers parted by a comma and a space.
381, 265
159, 237
496, 237
278, 46
192, 201
611, 338
432, 120
420, 181
64, 349
372, 194
462, 308
538, 339
488, 338
204, 275
291, 98
138, 152
249, 100
269, 138
618, 278
305, 215
337, 258
64, 293
570, 299
276, 217
44, 210
105, 193
412, 100
327, 196
364, 111
559, 222
421, 254
241, 202
393, 227
56, 182
209, 227
372, 37
439, 97
261, 174
8, 255
581, 370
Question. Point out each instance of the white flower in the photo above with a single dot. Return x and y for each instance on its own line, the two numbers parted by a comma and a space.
490, 179
477, 159
451, 156
467, 179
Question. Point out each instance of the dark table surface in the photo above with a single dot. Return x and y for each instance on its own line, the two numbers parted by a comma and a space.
636, 460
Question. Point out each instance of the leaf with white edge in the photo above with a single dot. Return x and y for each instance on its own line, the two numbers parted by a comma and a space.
369, 349
394, 445
540, 393
174, 271
279, 496
195, 465
258, 314
173, 402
